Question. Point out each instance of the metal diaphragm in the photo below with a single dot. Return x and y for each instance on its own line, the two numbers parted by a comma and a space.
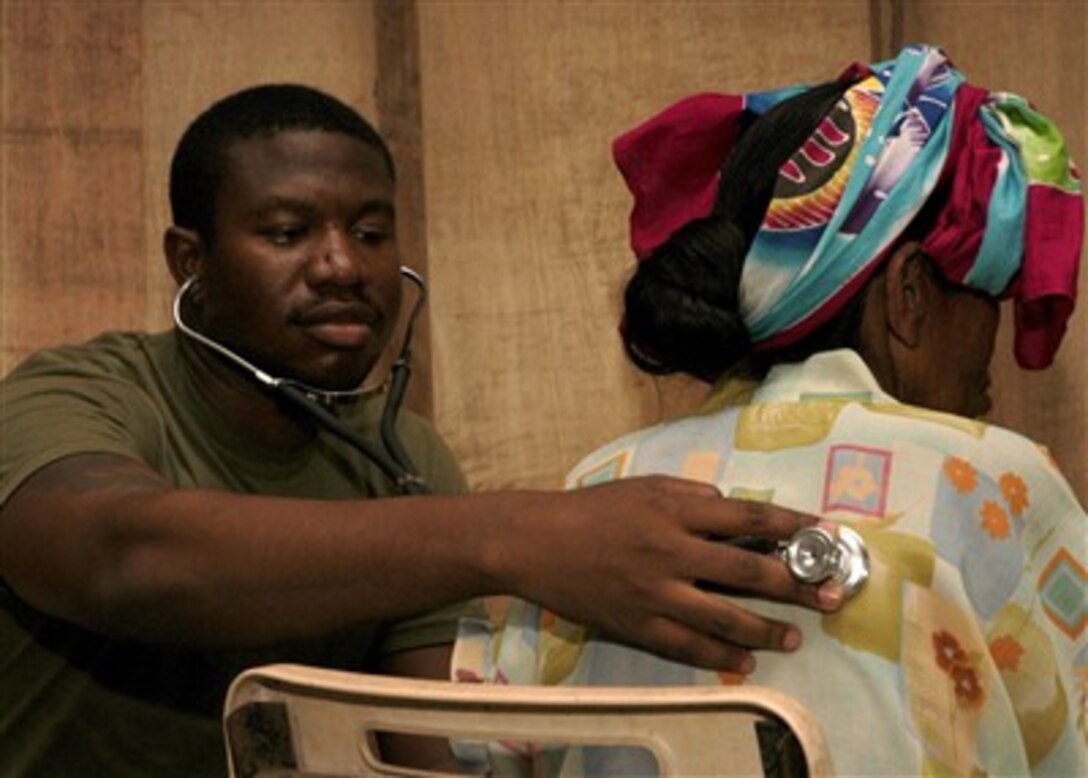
815, 555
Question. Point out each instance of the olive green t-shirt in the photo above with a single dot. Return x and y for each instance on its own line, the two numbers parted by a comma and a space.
76, 703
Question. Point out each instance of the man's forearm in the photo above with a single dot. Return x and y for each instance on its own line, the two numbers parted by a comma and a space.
211, 568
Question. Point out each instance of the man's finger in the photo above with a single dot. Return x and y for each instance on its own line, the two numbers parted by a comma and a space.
680, 643
739, 572
733, 623
681, 486
731, 517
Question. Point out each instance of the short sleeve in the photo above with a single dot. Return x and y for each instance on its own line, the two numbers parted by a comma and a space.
45, 418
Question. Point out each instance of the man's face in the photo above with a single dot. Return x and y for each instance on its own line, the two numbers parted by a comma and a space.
302, 277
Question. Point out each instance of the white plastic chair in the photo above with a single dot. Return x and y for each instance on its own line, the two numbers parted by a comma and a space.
303, 721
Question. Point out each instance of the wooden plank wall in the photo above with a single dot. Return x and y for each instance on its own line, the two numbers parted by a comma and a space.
527, 216
94, 96
71, 167
511, 200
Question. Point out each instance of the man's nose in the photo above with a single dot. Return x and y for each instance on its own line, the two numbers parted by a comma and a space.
339, 259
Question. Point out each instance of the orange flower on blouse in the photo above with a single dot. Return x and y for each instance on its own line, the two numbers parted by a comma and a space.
954, 661
961, 474
1006, 651
1015, 491
994, 520
947, 650
969, 692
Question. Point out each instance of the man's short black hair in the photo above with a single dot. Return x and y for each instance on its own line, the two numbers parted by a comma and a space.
262, 111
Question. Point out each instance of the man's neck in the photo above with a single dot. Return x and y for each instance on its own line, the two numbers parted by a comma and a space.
250, 408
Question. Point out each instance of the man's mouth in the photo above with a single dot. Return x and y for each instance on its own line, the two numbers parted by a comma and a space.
343, 325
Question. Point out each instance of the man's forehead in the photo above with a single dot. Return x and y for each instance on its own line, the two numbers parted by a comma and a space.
299, 150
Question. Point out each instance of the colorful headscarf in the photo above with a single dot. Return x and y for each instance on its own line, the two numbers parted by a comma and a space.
1011, 225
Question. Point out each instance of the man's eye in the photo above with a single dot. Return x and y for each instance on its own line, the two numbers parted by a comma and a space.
372, 234
284, 236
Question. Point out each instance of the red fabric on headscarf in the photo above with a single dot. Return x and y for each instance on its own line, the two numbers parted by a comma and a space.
1046, 290
1045, 287
956, 235
672, 164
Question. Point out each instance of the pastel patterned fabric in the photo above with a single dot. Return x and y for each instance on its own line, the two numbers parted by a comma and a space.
966, 653
1012, 225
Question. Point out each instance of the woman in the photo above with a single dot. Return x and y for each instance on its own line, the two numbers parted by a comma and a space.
832, 260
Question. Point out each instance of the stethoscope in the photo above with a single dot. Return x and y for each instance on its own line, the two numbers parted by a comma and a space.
390, 456
814, 555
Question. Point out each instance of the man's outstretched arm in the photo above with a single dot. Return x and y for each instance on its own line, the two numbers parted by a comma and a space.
105, 542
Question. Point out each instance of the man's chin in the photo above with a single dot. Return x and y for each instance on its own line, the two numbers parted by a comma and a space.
335, 378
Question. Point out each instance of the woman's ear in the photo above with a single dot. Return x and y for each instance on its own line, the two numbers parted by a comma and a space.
908, 294
184, 250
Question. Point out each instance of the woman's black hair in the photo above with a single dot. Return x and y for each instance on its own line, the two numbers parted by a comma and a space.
681, 306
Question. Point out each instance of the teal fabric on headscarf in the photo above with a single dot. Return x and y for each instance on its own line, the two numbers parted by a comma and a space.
1010, 220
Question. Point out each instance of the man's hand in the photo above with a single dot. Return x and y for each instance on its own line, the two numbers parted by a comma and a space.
634, 558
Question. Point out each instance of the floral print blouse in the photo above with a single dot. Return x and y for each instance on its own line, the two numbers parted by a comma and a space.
966, 652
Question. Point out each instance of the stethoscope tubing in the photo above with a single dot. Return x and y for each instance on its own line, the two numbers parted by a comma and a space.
392, 458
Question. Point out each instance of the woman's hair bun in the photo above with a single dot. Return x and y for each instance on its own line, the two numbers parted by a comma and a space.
682, 303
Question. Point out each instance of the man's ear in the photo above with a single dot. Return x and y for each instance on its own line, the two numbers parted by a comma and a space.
185, 253
908, 294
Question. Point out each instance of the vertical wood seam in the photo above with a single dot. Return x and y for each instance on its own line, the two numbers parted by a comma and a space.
400, 120
885, 29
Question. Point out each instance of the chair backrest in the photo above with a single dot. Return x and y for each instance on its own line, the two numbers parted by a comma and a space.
304, 721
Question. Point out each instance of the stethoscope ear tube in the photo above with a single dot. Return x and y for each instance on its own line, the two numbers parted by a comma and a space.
398, 383
396, 464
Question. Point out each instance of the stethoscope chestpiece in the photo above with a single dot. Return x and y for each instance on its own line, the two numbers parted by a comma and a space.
815, 555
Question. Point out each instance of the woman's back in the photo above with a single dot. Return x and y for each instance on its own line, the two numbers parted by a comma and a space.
955, 656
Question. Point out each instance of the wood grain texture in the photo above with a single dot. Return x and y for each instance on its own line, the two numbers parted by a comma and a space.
1036, 49
527, 216
94, 97
399, 117
198, 51
70, 173
525, 237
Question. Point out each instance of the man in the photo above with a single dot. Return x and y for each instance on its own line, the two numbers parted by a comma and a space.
167, 520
